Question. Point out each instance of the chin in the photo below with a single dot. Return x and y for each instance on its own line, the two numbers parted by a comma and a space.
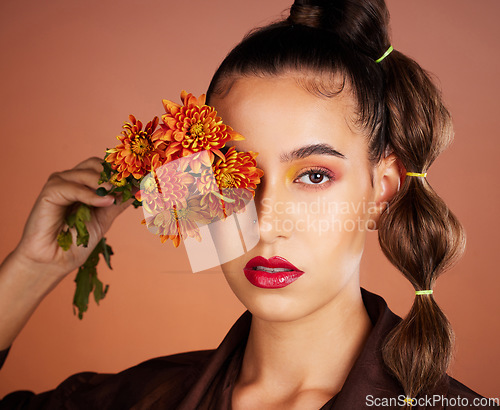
281, 309
273, 305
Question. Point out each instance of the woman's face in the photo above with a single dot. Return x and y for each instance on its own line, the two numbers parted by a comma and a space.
315, 202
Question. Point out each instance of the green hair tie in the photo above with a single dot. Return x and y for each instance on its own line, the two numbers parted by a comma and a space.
389, 50
424, 292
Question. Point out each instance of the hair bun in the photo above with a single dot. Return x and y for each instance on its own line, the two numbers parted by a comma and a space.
360, 24
306, 14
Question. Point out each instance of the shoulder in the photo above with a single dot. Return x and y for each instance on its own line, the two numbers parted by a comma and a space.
461, 396
167, 378
176, 367
186, 361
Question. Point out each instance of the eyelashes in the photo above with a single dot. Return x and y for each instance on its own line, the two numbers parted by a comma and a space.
316, 178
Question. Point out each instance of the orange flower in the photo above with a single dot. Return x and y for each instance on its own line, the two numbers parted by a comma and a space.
136, 154
236, 178
165, 196
178, 223
114, 180
193, 127
238, 170
183, 184
167, 186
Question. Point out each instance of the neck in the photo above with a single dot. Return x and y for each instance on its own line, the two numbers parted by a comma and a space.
316, 351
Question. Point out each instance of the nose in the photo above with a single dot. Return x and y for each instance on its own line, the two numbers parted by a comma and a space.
270, 200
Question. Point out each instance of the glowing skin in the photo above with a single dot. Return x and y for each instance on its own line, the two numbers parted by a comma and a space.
306, 336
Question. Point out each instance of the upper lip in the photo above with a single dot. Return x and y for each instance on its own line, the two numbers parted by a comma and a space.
273, 262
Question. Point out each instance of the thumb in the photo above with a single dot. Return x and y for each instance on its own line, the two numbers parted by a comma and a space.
107, 213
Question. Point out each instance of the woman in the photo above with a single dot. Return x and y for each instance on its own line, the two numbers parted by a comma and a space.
336, 117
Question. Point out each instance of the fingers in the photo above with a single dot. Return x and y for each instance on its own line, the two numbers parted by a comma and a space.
106, 215
94, 163
62, 192
84, 176
79, 185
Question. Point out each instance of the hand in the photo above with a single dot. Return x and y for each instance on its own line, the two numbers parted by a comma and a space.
38, 246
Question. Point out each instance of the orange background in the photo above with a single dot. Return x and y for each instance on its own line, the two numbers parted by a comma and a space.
72, 71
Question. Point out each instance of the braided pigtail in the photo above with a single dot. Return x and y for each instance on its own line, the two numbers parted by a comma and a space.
418, 233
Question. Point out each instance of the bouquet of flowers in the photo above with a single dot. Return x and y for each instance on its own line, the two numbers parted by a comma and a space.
180, 171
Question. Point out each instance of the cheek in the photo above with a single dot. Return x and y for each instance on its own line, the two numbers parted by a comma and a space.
333, 217
232, 271
235, 235
331, 228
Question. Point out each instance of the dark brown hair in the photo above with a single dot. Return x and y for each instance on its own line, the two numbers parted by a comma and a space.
401, 109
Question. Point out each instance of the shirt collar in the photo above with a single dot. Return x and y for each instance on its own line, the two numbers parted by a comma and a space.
367, 380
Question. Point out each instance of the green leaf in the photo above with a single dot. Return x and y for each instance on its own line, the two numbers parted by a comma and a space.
127, 194
107, 252
106, 171
87, 280
98, 289
82, 234
82, 216
83, 213
137, 203
76, 219
70, 220
65, 239
83, 288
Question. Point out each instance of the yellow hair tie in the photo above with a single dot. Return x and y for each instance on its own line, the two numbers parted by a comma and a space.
424, 292
416, 174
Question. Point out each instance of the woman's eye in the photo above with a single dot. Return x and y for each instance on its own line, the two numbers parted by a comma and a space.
315, 177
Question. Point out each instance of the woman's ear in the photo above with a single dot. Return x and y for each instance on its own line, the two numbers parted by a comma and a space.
387, 181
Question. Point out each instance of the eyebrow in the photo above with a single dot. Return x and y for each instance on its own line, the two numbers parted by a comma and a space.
312, 149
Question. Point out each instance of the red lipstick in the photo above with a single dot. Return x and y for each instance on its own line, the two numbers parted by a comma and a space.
274, 273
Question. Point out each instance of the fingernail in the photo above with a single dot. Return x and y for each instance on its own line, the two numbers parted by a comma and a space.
106, 185
107, 199
101, 191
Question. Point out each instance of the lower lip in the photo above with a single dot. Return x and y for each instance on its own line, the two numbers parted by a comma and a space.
269, 280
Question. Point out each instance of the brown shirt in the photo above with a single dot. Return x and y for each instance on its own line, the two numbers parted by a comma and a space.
205, 379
